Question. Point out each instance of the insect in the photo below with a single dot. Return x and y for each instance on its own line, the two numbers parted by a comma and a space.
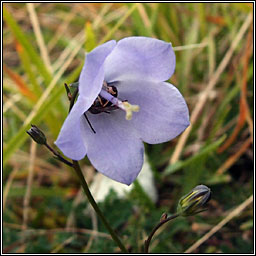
101, 105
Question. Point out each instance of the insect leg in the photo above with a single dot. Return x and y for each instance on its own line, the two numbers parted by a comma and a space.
99, 99
89, 123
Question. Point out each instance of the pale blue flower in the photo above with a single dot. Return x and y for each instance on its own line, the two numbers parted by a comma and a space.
135, 67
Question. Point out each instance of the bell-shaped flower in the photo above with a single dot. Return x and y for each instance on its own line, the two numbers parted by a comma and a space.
123, 101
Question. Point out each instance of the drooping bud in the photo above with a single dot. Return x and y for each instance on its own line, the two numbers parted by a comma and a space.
195, 201
36, 134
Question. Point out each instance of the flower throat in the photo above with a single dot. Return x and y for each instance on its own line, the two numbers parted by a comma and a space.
103, 105
107, 101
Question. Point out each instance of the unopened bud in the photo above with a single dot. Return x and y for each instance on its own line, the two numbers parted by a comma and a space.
195, 201
36, 134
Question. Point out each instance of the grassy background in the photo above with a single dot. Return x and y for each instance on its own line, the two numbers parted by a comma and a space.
44, 48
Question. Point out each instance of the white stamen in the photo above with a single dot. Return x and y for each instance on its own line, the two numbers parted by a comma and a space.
129, 108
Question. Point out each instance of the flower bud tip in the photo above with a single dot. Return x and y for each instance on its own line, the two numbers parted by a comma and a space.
195, 201
36, 134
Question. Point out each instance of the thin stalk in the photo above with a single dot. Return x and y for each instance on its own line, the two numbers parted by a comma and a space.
58, 155
80, 175
147, 242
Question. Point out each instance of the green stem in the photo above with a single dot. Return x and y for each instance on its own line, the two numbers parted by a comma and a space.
80, 175
58, 155
147, 242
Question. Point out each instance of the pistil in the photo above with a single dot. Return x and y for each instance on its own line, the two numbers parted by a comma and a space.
124, 105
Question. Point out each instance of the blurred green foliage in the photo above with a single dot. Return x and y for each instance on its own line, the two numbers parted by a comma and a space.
33, 92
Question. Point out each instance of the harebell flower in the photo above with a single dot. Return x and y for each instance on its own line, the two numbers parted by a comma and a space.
124, 101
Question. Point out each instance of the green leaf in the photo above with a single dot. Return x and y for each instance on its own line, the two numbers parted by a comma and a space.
21, 135
139, 24
217, 179
118, 24
38, 191
90, 41
206, 150
26, 64
141, 196
21, 37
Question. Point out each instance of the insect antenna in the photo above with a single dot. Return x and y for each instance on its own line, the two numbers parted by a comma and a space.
89, 123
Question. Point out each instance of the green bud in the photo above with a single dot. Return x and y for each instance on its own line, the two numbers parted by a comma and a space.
36, 134
195, 201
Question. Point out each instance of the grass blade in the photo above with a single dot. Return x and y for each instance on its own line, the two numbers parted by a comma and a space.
22, 39
207, 150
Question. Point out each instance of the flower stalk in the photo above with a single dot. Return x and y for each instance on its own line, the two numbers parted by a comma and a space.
80, 175
192, 203
86, 189
38, 136
162, 221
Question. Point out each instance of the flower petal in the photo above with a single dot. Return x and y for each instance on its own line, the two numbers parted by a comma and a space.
69, 140
115, 150
90, 82
163, 113
140, 57
92, 75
